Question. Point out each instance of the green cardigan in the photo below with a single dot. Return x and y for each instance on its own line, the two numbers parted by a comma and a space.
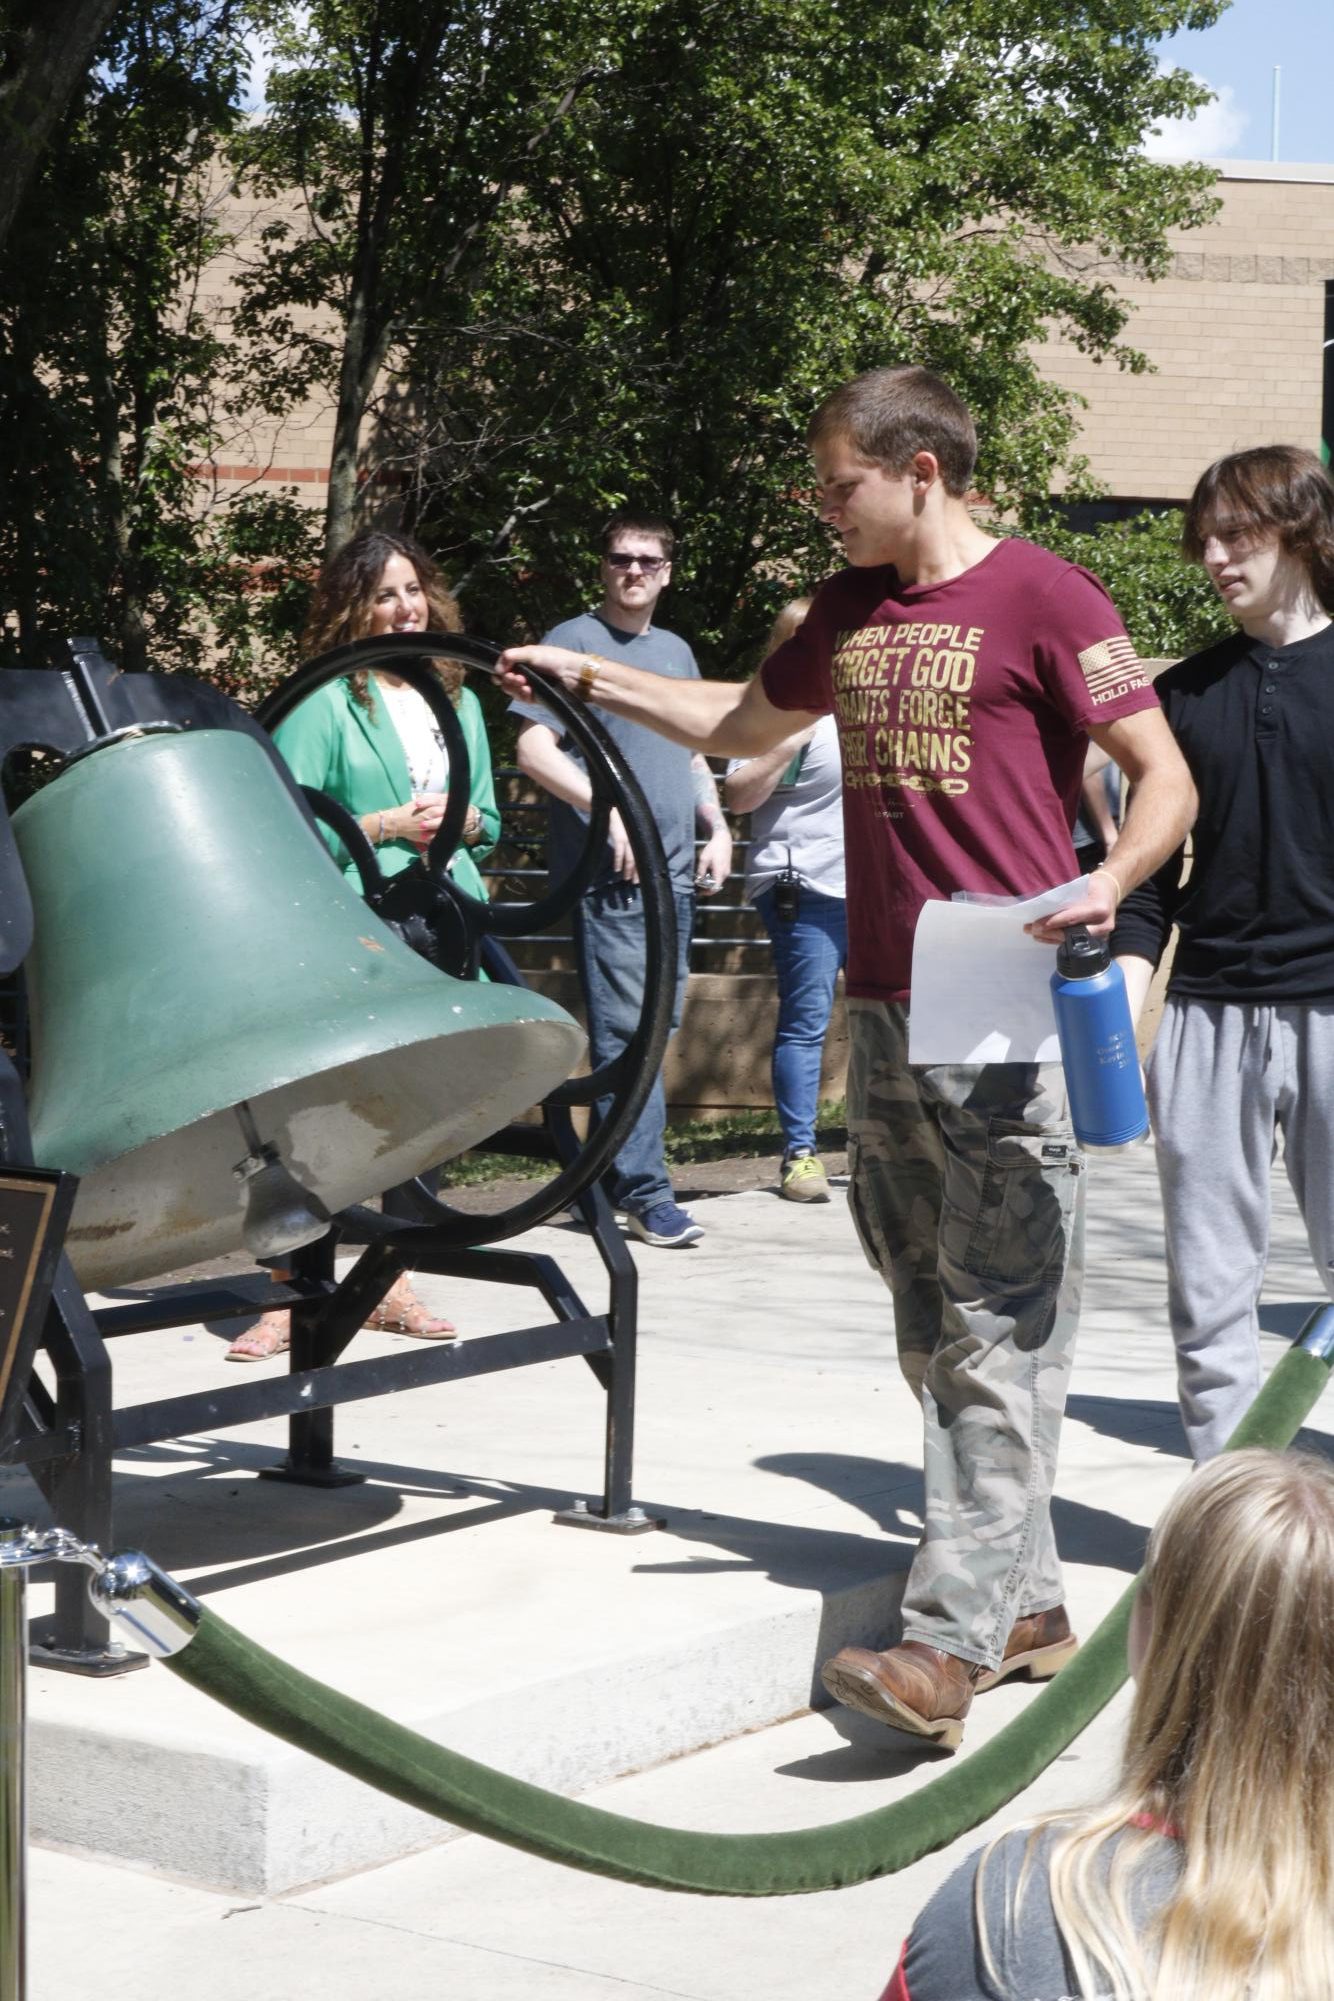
357, 757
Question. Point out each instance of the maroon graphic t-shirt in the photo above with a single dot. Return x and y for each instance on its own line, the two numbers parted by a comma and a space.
963, 710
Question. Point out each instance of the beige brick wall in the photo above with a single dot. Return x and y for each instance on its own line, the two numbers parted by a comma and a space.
296, 452
1234, 334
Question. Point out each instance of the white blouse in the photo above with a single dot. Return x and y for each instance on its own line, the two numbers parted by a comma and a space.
419, 733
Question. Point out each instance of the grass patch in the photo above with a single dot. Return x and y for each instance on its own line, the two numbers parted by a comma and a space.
475, 1169
749, 1135
740, 1136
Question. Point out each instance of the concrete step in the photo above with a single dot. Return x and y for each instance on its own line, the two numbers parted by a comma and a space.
775, 1437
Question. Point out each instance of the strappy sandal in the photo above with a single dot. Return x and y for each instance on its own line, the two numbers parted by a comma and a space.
401, 1312
271, 1335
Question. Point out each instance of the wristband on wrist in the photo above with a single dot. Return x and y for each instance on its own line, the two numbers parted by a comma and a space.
588, 675
379, 838
1116, 886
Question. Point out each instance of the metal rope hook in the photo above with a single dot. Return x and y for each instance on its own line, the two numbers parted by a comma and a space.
150, 1607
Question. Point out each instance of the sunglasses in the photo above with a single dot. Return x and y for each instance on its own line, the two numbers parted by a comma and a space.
619, 560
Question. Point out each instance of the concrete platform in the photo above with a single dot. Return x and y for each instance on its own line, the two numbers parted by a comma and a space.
776, 1438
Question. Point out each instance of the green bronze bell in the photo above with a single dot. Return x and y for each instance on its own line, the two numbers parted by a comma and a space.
197, 950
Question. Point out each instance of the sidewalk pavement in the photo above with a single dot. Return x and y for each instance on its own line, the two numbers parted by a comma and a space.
775, 1437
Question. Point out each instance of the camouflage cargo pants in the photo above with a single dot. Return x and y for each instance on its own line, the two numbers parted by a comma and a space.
967, 1194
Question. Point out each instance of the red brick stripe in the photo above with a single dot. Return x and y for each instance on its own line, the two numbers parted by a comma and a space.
286, 475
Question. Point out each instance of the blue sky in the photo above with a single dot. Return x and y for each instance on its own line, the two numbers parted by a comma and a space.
1236, 58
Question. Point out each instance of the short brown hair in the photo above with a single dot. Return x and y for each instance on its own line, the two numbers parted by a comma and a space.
889, 415
1271, 489
629, 521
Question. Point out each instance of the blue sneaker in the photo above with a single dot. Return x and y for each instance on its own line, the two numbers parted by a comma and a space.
664, 1225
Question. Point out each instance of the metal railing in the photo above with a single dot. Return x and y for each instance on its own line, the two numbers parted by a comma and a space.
728, 938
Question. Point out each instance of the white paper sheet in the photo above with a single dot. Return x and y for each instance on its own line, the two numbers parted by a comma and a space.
981, 987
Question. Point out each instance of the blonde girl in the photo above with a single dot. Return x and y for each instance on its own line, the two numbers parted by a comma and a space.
1209, 1874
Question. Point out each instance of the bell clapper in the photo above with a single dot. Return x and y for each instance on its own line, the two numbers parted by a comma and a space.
280, 1214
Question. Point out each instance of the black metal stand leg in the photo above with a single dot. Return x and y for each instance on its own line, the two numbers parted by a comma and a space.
623, 1321
310, 1458
78, 1489
619, 1514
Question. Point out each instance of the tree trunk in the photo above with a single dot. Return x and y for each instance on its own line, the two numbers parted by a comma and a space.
129, 640
363, 357
42, 63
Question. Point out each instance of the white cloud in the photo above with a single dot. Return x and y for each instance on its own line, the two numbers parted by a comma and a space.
260, 53
1211, 132
254, 90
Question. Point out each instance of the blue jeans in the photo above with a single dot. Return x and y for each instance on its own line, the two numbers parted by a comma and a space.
807, 958
610, 943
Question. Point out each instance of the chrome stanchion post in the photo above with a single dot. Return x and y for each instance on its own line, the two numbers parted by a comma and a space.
145, 1604
1317, 1335
13, 1775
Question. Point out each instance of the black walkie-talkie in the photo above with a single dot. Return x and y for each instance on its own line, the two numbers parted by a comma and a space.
787, 892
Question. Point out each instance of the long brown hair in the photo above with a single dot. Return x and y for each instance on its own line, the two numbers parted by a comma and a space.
345, 596
1278, 490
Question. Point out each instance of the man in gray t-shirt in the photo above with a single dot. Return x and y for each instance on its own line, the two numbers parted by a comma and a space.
609, 922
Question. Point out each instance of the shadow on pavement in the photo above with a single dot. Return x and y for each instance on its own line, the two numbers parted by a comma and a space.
1085, 1534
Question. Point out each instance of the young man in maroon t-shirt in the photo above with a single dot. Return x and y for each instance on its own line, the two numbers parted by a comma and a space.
967, 674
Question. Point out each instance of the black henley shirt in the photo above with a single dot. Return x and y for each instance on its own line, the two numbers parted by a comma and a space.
1256, 914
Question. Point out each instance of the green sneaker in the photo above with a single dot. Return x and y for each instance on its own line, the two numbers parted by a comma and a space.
804, 1179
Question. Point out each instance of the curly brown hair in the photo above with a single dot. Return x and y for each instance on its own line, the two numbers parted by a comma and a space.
345, 594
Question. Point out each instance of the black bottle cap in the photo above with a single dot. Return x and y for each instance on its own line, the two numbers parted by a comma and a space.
1082, 957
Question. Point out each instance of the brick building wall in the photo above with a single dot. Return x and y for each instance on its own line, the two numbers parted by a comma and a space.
258, 449
1235, 333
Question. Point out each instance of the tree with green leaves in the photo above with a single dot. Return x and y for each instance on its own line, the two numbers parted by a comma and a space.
760, 198
406, 125
120, 375
45, 50
543, 257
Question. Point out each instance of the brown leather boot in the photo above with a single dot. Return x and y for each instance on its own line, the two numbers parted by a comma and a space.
913, 1687
1040, 1644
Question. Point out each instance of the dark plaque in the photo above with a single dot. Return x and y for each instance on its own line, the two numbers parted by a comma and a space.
34, 1210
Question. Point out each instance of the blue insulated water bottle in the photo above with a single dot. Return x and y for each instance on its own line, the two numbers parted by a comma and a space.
1097, 1040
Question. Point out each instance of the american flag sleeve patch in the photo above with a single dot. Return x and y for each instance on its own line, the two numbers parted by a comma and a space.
1112, 668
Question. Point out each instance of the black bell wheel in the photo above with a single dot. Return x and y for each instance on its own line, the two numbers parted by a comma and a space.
454, 929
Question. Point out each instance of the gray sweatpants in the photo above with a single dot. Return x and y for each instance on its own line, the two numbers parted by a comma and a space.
1223, 1080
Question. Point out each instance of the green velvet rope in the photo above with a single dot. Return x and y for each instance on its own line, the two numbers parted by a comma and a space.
230, 1668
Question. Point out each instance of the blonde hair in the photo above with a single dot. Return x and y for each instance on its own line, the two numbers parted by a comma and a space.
1230, 1751
786, 623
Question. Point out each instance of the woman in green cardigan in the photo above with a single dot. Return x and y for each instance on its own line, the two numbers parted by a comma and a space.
371, 742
